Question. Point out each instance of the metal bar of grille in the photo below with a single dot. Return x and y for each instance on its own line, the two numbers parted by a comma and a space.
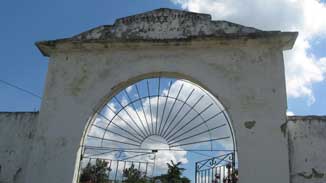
132, 119
118, 126
116, 134
126, 122
106, 159
178, 112
134, 108
119, 150
107, 152
116, 171
139, 99
197, 134
222, 159
164, 130
150, 106
142, 106
198, 142
124, 165
146, 169
136, 156
110, 169
160, 149
186, 124
117, 141
185, 114
157, 104
193, 128
167, 96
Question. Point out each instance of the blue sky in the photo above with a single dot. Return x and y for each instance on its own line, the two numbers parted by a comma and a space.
131, 120
24, 22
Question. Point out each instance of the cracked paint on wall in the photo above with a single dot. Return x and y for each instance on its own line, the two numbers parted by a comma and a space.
307, 147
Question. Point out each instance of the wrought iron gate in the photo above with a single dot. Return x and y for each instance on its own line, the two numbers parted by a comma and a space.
155, 115
115, 169
220, 169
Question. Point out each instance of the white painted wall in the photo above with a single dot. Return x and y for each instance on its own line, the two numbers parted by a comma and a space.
16, 136
247, 78
306, 136
307, 148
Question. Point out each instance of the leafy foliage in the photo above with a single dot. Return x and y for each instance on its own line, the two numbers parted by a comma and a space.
99, 173
174, 174
133, 175
96, 173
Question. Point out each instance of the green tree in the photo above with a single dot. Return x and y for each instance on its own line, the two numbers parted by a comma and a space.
132, 175
174, 171
174, 174
96, 173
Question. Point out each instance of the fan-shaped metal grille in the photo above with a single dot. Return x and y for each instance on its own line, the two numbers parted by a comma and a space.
156, 115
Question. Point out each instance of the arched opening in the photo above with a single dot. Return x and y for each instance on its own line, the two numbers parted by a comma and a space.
155, 126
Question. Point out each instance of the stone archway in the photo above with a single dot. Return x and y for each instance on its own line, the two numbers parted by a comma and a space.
243, 66
158, 119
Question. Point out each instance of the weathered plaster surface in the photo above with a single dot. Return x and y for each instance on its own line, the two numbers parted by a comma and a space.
17, 130
307, 148
163, 25
243, 67
78, 82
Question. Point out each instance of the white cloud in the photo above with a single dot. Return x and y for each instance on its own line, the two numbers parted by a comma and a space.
132, 119
306, 16
129, 89
289, 113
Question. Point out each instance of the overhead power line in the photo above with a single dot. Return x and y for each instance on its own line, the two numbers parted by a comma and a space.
20, 89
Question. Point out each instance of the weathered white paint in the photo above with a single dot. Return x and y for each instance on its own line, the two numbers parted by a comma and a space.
16, 136
243, 69
165, 24
306, 136
244, 79
307, 148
